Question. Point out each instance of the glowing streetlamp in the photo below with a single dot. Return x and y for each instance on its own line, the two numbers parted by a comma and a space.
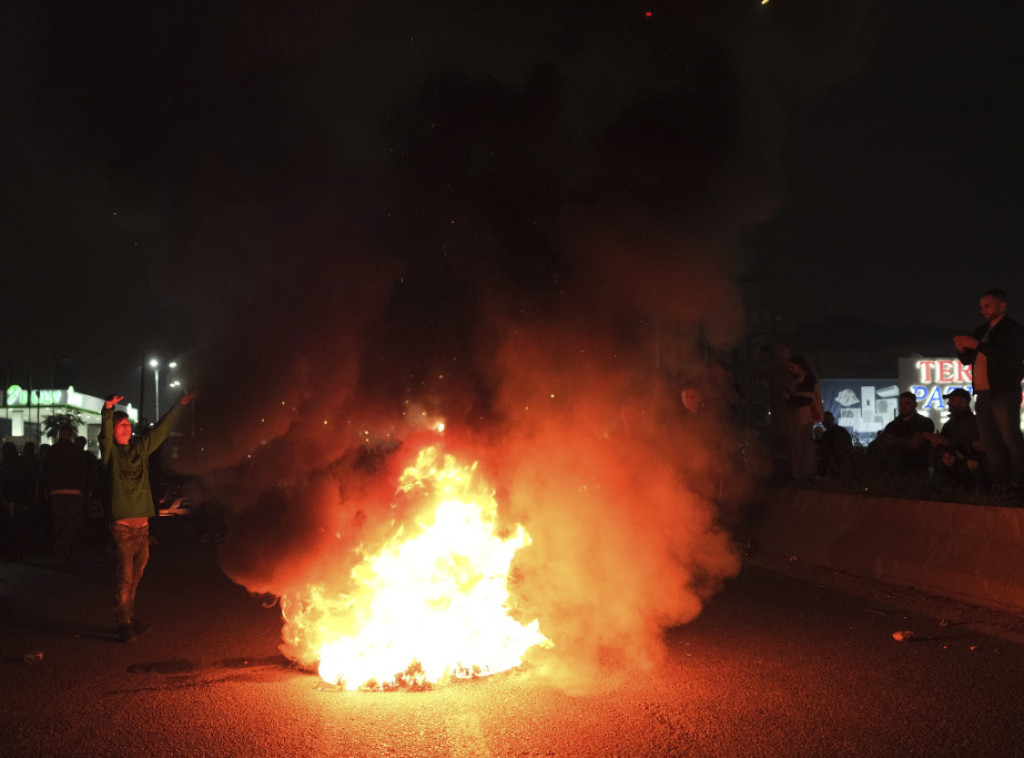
155, 365
176, 383
177, 386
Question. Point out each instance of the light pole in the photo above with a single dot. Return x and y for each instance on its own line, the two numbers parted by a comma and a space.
155, 364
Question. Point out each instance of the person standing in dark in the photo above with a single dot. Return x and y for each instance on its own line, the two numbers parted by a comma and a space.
126, 465
12, 503
836, 445
996, 353
803, 401
777, 380
36, 517
65, 475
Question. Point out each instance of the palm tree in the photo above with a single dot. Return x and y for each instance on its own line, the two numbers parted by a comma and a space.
53, 423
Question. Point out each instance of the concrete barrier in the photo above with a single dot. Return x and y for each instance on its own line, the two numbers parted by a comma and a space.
967, 552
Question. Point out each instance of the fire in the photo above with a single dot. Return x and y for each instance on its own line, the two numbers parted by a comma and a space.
430, 604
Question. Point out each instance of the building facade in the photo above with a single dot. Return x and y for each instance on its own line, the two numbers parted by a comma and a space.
24, 413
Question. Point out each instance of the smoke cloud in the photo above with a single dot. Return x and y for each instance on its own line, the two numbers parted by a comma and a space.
537, 266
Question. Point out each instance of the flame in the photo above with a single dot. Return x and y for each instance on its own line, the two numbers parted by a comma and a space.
428, 605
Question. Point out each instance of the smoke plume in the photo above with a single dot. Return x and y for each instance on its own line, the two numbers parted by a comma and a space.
540, 258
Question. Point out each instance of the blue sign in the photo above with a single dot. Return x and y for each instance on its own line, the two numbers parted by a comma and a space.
863, 406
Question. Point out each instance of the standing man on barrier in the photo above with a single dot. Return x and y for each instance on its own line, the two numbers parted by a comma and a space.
996, 351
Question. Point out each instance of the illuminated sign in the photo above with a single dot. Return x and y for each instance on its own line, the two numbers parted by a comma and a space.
931, 379
18, 397
863, 406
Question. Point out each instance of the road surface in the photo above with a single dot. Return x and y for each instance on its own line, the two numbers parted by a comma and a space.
780, 663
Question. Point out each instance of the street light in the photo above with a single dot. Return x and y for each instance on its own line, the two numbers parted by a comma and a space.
177, 386
176, 383
155, 364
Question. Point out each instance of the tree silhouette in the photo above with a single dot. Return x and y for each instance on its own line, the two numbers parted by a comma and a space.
53, 423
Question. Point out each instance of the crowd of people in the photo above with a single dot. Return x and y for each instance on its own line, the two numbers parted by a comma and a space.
979, 450
45, 495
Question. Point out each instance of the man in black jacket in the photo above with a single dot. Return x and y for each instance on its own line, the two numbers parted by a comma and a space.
65, 474
996, 351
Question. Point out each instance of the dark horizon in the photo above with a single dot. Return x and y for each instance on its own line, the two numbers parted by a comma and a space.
183, 176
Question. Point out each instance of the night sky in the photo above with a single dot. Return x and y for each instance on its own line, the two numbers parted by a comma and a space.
241, 182
903, 177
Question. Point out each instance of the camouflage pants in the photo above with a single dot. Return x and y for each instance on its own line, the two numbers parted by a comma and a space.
131, 554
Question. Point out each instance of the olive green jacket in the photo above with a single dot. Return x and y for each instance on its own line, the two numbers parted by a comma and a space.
127, 466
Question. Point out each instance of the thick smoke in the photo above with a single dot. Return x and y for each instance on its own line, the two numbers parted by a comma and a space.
537, 266
333, 375
627, 540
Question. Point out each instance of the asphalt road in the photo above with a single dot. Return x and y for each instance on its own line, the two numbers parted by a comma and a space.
781, 663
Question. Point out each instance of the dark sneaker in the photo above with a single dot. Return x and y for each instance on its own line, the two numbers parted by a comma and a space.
125, 633
140, 627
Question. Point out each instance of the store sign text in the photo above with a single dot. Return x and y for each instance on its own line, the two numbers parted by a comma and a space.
16, 397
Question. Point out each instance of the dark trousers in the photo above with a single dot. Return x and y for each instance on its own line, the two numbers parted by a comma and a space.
1001, 438
131, 554
68, 511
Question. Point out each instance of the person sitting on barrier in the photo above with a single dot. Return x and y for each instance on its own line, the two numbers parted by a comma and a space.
836, 447
958, 459
904, 436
